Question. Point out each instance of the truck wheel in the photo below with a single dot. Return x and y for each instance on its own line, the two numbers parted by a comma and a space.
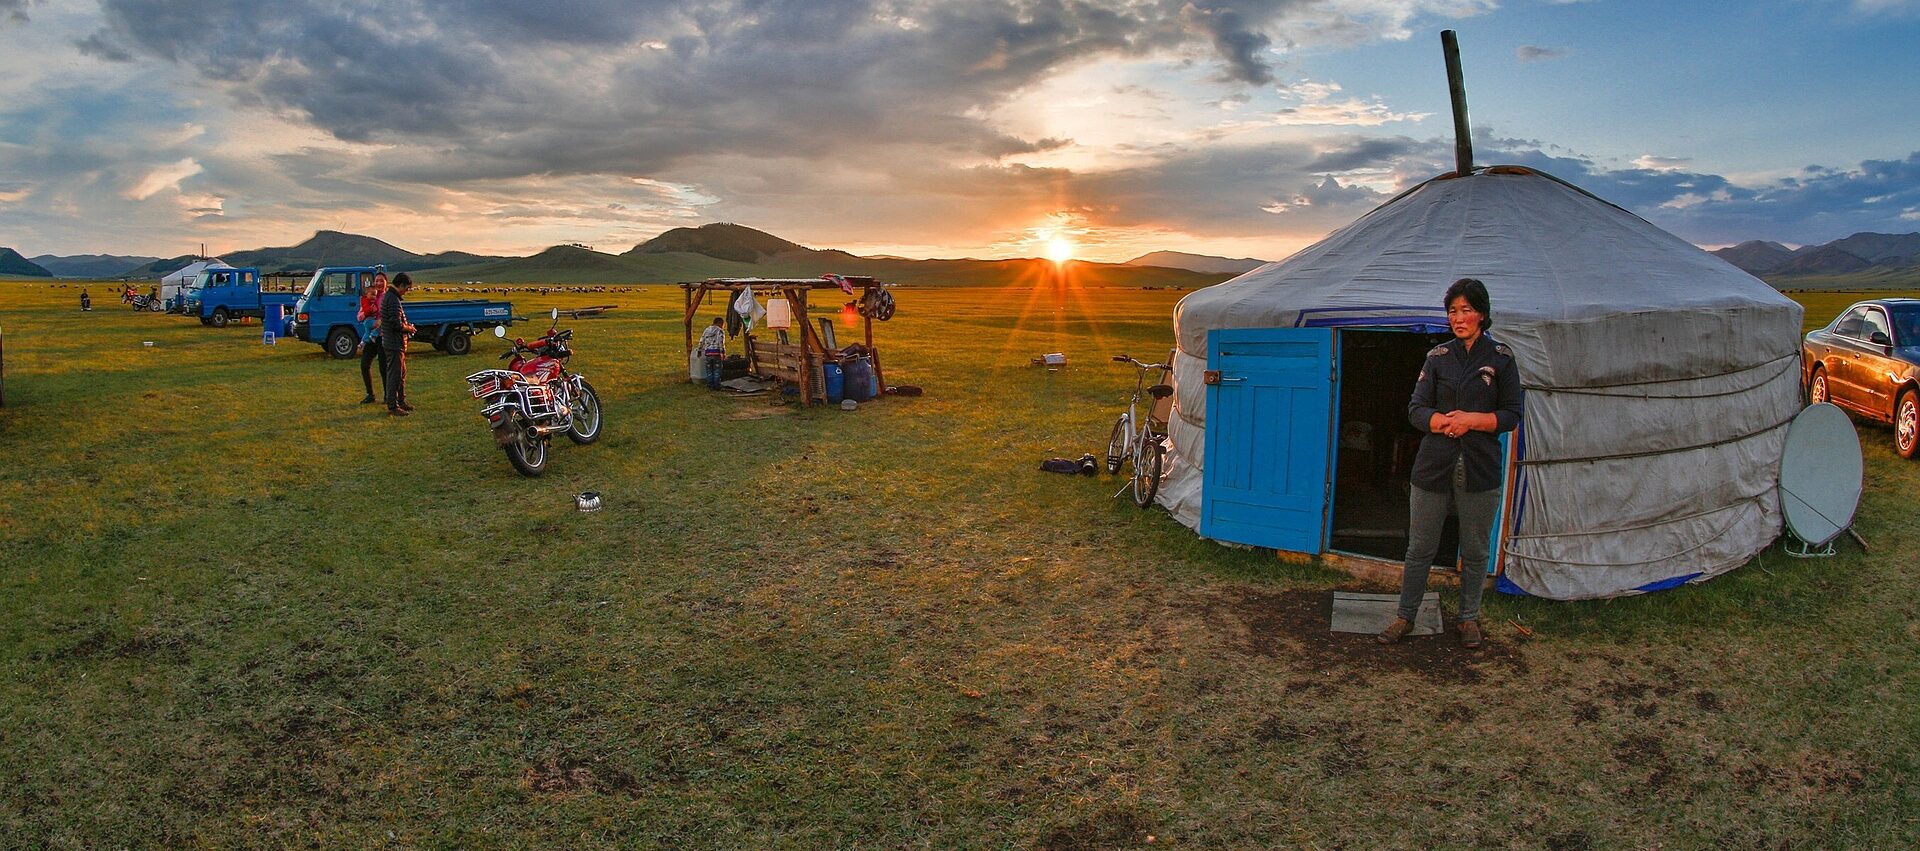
458, 343
586, 415
219, 318
340, 343
528, 454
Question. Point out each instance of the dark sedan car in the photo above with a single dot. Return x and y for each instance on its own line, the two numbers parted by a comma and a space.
1868, 362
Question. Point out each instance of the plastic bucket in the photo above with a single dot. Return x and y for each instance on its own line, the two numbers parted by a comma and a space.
836, 383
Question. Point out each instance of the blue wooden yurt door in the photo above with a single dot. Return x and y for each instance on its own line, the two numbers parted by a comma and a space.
1270, 427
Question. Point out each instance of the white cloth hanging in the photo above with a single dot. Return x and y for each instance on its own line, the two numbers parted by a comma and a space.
749, 309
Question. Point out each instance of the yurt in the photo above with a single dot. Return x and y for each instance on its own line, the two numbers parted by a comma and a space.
183, 277
1659, 384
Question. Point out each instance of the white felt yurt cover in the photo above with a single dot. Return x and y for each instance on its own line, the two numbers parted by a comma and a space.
1659, 378
185, 275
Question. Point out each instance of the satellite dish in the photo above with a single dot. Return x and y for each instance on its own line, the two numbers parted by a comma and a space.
1820, 475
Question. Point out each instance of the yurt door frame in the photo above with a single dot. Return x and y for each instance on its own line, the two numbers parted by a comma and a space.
1270, 426
1273, 418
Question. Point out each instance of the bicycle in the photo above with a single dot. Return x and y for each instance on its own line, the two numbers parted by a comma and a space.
1139, 439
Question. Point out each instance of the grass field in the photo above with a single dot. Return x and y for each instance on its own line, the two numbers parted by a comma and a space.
238, 609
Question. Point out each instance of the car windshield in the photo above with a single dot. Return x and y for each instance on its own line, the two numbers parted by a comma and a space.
1906, 324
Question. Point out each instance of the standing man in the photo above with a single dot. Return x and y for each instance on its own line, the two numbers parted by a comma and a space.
713, 347
394, 332
1468, 393
86, 301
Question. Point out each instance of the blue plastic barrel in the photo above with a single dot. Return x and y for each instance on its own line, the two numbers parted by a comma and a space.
271, 323
836, 382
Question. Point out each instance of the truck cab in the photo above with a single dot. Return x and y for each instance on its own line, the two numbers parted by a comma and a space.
215, 295
327, 312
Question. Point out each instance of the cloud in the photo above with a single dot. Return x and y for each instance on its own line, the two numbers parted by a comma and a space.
165, 177
14, 11
830, 121
1886, 7
1653, 163
1536, 53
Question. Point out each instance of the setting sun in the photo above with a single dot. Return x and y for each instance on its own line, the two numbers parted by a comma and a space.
1059, 250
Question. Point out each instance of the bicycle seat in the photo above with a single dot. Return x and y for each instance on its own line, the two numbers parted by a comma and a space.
1160, 391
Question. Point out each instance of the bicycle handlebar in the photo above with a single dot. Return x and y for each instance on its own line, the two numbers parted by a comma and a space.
1138, 364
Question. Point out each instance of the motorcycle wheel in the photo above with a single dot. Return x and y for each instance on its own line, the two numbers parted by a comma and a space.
586, 415
528, 454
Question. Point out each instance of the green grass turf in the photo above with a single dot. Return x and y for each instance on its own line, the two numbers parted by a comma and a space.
239, 609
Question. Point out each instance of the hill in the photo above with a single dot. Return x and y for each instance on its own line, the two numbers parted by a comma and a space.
1863, 260
91, 265
160, 268
1756, 256
333, 248
12, 265
721, 241
1205, 263
1823, 260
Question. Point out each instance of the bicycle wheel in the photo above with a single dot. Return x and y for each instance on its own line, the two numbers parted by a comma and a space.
1117, 443
1146, 470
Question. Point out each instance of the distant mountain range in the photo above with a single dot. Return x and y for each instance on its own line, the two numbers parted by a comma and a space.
1864, 258
682, 254
1206, 263
91, 265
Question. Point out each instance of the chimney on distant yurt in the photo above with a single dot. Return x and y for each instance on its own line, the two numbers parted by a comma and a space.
1457, 90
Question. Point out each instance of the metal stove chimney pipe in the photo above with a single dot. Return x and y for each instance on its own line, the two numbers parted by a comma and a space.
1457, 88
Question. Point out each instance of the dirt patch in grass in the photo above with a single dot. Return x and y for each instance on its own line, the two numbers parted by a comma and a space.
571, 773
1112, 827
1294, 625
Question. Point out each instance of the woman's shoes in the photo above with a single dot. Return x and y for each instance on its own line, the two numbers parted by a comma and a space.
368, 400
1470, 636
1394, 631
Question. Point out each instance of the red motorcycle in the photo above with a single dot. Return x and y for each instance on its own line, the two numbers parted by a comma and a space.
534, 397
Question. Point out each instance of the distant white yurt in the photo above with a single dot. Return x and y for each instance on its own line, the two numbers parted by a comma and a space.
1659, 383
171, 284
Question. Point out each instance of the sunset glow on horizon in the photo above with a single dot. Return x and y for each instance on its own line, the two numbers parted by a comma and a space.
1059, 250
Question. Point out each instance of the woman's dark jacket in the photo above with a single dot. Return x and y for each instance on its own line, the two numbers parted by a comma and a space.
1483, 380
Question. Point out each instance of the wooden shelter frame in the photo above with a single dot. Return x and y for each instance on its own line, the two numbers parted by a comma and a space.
795, 362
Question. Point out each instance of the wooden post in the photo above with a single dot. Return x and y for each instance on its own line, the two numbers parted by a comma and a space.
1457, 90
687, 290
798, 297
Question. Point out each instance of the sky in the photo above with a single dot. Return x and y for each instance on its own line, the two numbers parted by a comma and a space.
930, 128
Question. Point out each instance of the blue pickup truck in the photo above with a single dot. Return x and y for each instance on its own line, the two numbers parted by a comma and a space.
327, 312
219, 295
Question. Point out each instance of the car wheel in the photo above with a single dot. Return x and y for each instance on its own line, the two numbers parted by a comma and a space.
1906, 425
1817, 388
219, 318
